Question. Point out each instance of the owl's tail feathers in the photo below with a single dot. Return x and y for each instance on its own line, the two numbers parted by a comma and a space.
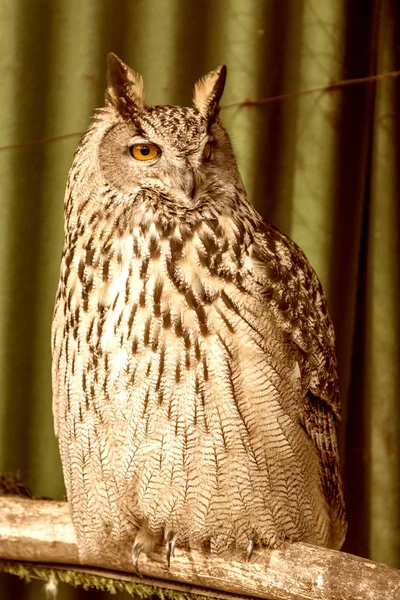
320, 424
339, 526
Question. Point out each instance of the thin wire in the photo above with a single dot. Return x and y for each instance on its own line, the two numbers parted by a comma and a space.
55, 138
334, 86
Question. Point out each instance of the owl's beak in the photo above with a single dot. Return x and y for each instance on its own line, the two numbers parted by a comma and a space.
189, 182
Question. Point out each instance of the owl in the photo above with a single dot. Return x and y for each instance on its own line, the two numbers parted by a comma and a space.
195, 391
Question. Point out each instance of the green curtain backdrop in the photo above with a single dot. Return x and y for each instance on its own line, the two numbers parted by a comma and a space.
323, 166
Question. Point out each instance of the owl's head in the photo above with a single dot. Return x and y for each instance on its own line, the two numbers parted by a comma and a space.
180, 151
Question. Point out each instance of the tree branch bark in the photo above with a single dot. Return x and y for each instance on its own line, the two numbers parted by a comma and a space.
41, 531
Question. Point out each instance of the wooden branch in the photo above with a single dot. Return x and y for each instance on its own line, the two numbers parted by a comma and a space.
41, 531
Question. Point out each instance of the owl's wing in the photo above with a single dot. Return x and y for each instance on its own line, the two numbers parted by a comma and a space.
292, 289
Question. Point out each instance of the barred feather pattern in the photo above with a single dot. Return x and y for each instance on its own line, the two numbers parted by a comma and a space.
194, 372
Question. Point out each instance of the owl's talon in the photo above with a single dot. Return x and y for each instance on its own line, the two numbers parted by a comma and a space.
250, 548
137, 548
170, 548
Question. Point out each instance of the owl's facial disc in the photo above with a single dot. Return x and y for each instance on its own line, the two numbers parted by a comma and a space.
167, 149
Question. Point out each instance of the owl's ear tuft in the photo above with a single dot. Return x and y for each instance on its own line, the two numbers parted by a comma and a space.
125, 91
208, 91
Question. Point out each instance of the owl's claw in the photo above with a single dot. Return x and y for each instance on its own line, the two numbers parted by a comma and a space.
250, 548
137, 548
170, 547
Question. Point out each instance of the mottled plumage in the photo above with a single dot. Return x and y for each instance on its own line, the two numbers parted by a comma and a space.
194, 370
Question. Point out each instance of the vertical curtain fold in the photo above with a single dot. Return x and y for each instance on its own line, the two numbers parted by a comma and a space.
382, 347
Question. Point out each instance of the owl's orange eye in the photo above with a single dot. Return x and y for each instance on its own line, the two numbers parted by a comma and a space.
207, 152
144, 151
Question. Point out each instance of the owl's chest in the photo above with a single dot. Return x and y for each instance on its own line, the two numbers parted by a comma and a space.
149, 290
152, 320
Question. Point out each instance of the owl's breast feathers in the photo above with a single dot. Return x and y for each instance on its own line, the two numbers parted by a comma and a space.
191, 347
